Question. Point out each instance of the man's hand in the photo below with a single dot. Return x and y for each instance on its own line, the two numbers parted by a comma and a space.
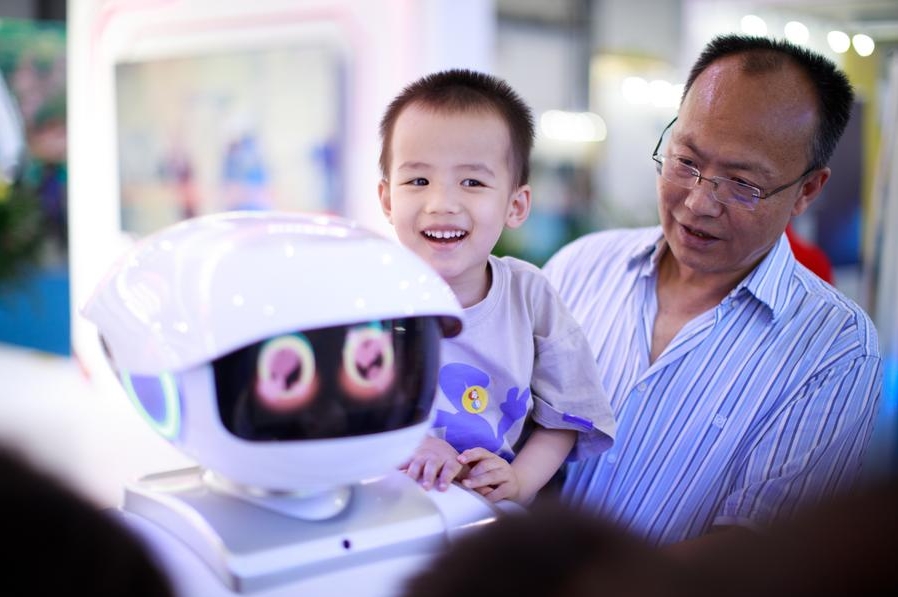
434, 464
490, 475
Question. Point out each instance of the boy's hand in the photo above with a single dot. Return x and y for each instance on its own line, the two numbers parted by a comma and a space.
434, 464
491, 476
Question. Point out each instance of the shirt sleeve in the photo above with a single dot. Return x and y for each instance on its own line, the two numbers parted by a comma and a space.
810, 450
566, 388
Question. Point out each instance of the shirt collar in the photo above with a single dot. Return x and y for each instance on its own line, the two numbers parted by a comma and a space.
768, 282
647, 251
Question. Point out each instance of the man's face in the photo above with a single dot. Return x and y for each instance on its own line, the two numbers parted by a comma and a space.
755, 129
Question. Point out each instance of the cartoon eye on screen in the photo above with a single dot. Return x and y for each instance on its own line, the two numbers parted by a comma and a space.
335, 381
368, 361
285, 373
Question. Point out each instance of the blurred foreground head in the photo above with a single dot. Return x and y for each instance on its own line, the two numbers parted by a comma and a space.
846, 546
58, 543
552, 551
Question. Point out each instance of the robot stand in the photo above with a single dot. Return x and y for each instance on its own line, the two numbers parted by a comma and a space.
213, 543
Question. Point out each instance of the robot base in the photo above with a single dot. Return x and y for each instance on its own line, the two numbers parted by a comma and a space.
212, 543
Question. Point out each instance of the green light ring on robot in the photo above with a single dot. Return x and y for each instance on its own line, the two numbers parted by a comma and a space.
170, 426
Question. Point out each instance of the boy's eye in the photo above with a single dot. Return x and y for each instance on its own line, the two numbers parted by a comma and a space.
470, 182
418, 182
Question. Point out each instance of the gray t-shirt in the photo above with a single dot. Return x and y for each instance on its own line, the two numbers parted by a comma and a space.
521, 359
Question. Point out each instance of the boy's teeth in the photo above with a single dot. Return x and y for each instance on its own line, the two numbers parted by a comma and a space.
444, 233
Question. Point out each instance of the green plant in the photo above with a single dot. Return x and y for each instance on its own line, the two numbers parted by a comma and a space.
21, 231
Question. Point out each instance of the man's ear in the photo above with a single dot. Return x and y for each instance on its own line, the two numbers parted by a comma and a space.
810, 190
518, 207
383, 192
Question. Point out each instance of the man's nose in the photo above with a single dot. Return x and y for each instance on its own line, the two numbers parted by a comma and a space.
700, 199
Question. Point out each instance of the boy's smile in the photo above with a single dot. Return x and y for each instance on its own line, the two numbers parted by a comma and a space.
445, 236
450, 192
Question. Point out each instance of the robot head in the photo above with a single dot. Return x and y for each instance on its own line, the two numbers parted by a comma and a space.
282, 351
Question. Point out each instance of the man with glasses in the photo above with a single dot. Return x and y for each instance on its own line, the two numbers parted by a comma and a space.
745, 387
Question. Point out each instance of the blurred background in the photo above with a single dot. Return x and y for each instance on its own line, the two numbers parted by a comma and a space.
119, 117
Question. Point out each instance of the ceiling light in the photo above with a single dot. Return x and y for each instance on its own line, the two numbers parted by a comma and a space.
796, 32
838, 41
753, 25
573, 126
635, 90
863, 44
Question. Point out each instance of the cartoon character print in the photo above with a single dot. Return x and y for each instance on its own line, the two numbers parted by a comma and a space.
466, 388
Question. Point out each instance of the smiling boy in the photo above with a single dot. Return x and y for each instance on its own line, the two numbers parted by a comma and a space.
519, 392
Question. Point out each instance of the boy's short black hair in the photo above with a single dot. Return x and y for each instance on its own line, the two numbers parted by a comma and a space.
459, 90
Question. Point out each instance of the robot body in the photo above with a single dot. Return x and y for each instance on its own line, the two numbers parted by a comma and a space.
294, 358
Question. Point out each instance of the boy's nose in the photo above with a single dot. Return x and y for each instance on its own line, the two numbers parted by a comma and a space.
441, 199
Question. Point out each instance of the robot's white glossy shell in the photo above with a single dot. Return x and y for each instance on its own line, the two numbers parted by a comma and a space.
210, 285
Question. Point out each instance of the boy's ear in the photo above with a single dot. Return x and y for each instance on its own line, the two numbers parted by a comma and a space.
518, 207
383, 192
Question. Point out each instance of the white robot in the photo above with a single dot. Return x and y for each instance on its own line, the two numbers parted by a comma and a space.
294, 358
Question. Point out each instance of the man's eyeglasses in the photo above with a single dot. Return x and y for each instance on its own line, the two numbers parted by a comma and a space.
724, 190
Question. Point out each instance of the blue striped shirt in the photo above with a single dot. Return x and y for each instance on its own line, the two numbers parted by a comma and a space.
758, 406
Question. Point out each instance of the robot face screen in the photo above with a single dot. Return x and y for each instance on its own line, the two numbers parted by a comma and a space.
330, 382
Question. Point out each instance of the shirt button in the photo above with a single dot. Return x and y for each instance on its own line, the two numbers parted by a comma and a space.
611, 458
641, 387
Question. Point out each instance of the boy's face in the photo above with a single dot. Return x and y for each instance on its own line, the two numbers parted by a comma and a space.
450, 189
